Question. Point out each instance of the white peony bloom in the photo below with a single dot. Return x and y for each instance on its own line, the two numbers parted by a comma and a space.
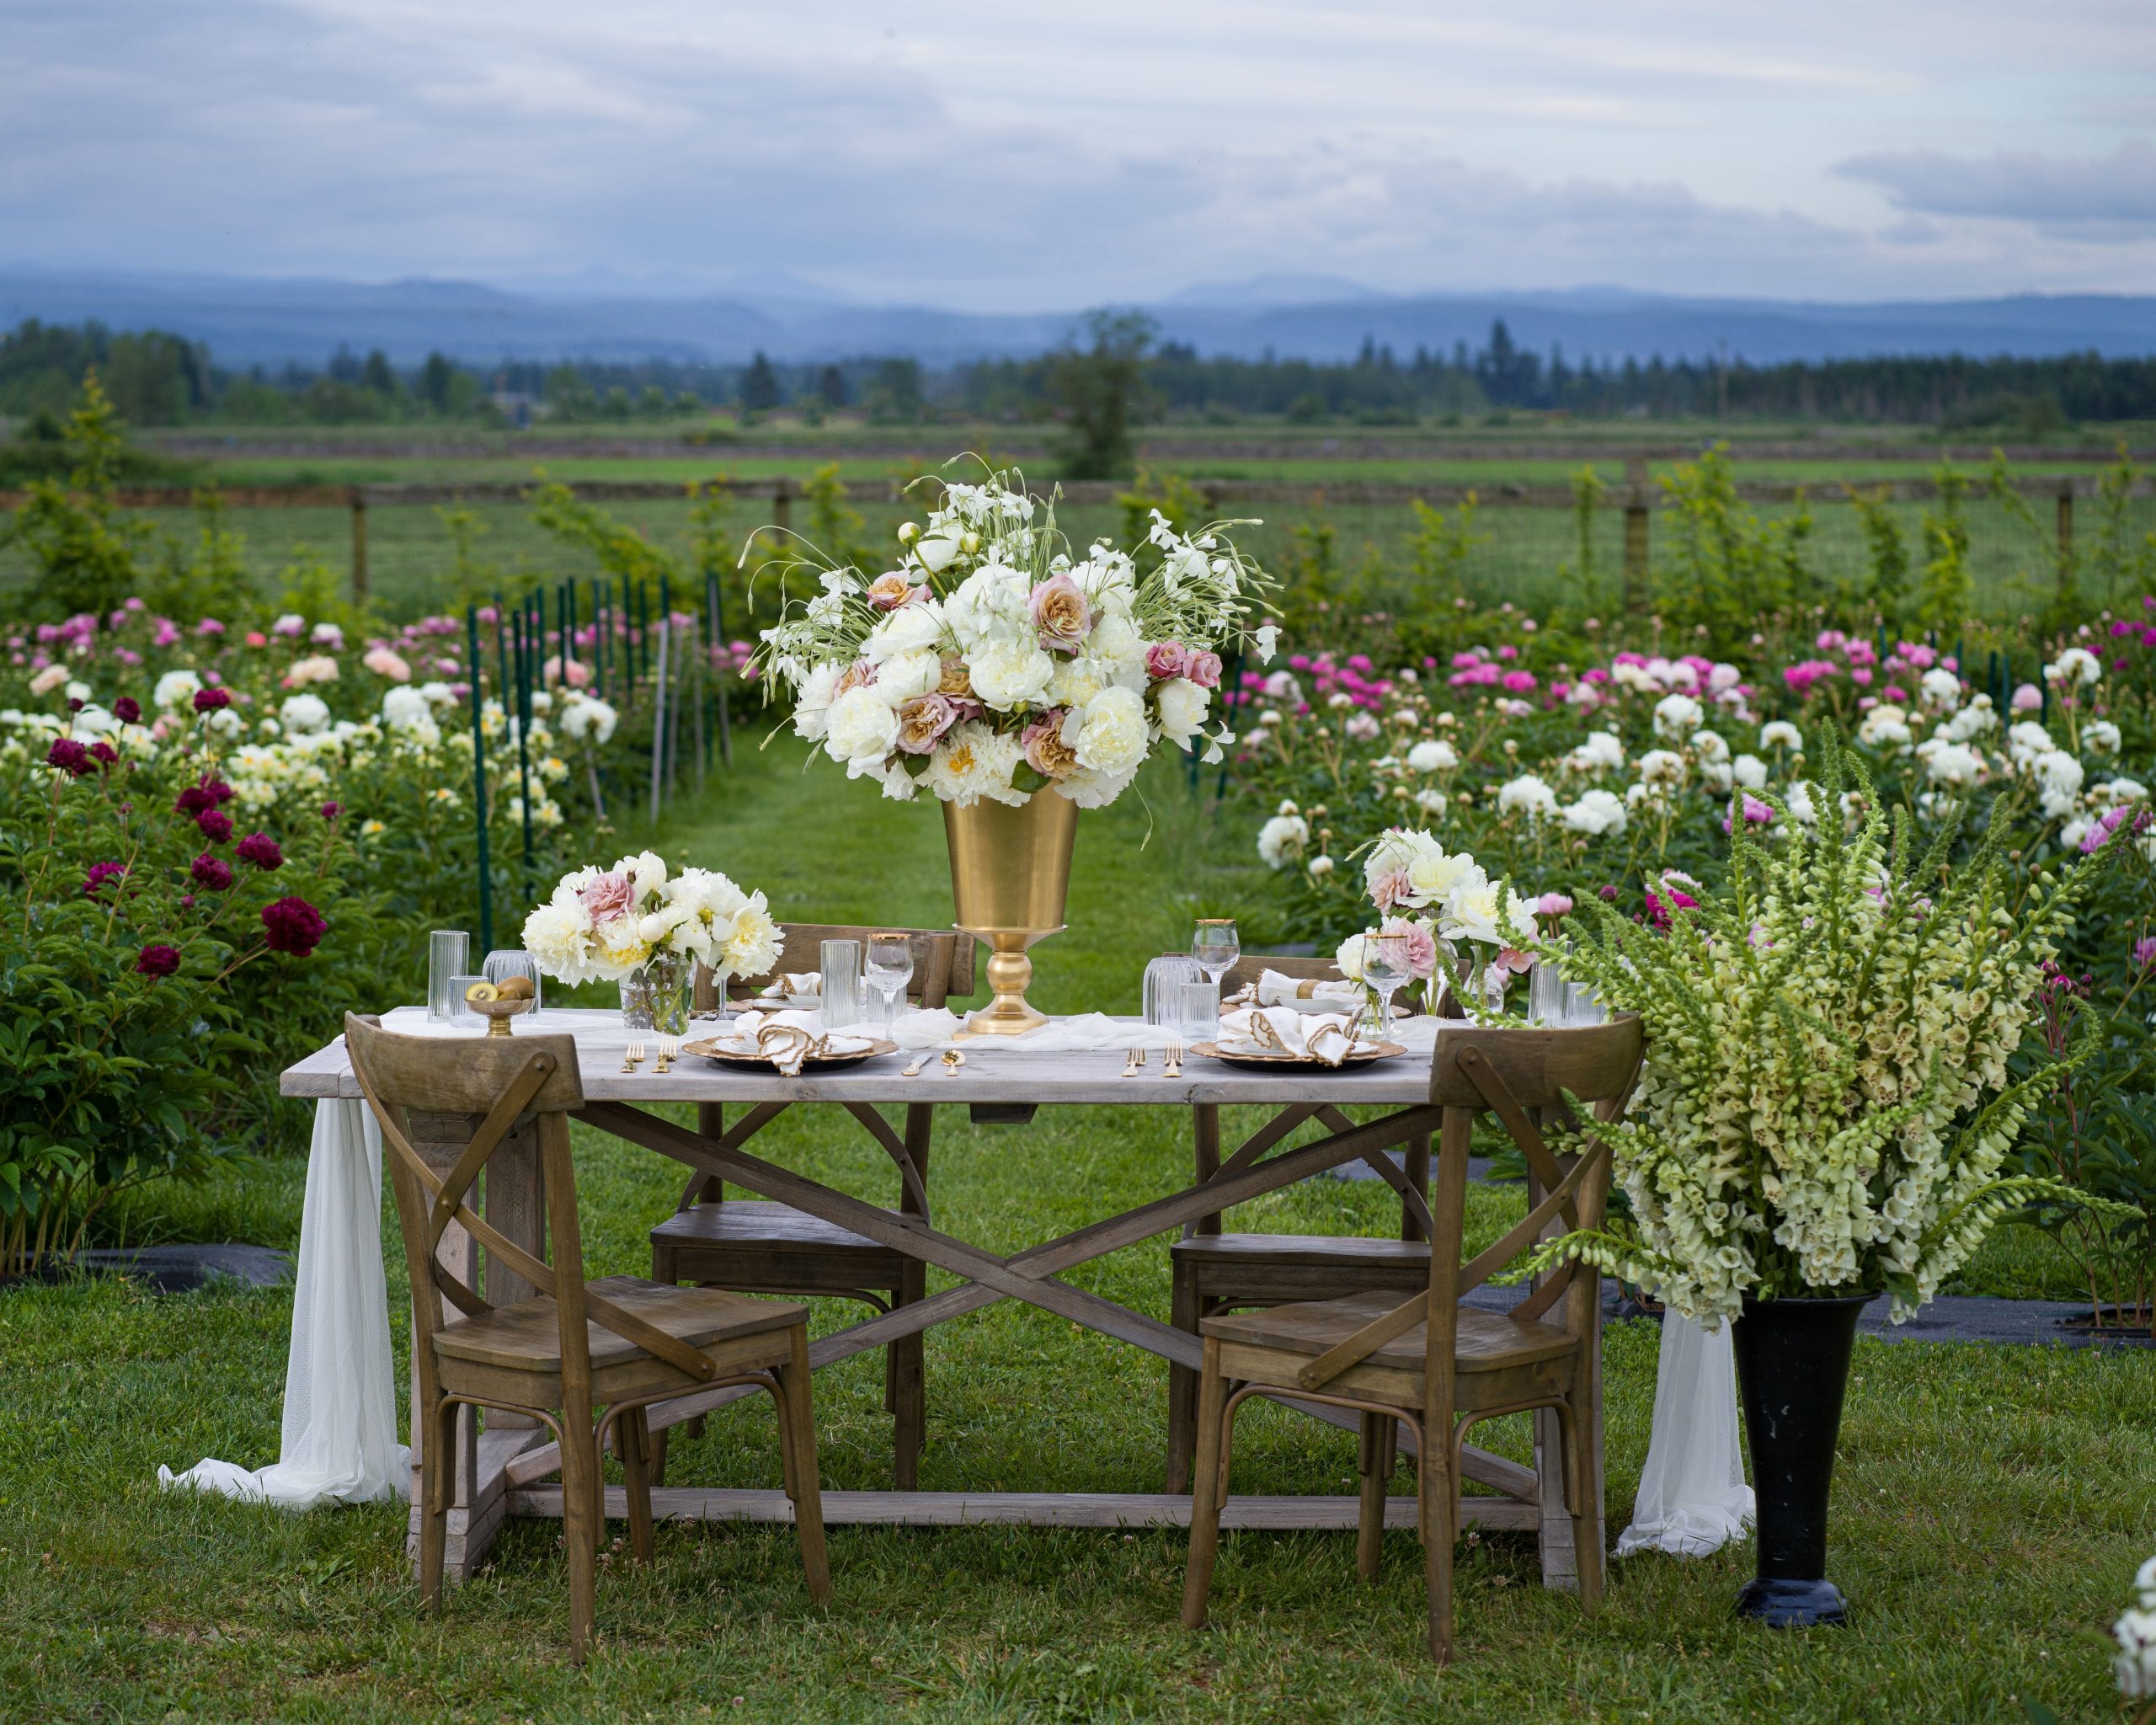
1109, 735
176, 688
901, 677
1779, 734
1661, 766
1677, 715
1598, 752
1432, 757
1955, 766
305, 714
1182, 705
812, 705
1282, 839
1801, 805
911, 628
588, 717
2075, 667
973, 762
1710, 746
554, 935
1430, 802
1350, 958
1597, 812
1528, 792
2119, 791
2058, 782
1972, 721
404, 708
861, 729
1941, 689
2101, 736
2026, 741
1750, 771
1013, 673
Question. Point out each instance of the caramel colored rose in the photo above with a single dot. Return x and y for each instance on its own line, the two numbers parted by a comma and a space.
888, 591
957, 683
1061, 615
1046, 752
922, 722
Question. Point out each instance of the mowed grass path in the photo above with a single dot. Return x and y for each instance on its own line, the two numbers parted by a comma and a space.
1990, 1507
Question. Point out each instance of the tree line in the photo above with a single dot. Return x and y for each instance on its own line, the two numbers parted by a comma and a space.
1114, 370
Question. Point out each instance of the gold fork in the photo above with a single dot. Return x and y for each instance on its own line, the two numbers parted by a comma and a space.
1173, 1069
631, 1055
669, 1049
1132, 1061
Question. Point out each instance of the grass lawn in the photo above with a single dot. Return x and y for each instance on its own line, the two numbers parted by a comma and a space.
1990, 1508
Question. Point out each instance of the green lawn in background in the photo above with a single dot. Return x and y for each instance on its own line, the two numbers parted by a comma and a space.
1991, 1504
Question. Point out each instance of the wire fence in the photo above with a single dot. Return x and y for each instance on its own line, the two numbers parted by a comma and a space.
395, 545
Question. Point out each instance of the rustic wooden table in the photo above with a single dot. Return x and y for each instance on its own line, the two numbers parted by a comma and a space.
503, 1469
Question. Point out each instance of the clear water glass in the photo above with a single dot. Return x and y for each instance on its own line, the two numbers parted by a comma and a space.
506, 962
840, 961
1197, 1009
1581, 1006
463, 1015
889, 970
449, 952
1163, 976
1215, 946
1385, 968
1547, 993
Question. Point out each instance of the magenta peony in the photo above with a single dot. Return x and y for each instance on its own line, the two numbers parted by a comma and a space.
212, 873
261, 850
158, 961
293, 926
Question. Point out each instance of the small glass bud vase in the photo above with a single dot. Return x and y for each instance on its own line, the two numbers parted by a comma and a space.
656, 997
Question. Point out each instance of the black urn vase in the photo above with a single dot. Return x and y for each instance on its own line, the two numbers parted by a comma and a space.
1792, 1370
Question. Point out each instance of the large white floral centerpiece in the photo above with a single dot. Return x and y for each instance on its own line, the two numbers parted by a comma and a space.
990, 661
645, 928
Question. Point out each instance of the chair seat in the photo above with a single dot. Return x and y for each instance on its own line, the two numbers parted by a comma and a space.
768, 1227
1488, 1341
1304, 1251
526, 1337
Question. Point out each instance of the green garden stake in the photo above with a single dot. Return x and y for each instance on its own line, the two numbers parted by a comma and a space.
501, 655
523, 711
717, 604
479, 779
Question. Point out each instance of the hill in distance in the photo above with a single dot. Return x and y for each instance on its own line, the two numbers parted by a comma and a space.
596, 315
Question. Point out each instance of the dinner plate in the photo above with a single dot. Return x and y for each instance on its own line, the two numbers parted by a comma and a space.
737, 1054
1271, 1062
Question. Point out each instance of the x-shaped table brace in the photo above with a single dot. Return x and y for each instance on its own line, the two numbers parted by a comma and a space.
1031, 1275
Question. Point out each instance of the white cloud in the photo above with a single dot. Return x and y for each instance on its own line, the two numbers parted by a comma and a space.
2084, 195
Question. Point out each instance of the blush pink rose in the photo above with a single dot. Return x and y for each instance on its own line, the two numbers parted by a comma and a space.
1046, 752
1202, 668
383, 663
607, 897
1061, 614
1389, 889
1410, 947
1166, 659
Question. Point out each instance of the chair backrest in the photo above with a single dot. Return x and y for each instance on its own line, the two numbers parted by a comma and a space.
942, 961
470, 1096
1518, 1076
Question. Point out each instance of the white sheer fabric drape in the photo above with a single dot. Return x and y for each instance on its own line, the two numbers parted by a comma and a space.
1693, 1498
340, 1444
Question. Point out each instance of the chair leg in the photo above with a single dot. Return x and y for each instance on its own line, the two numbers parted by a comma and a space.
437, 1464
908, 1365
656, 1446
1376, 1461
636, 1476
580, 1483
799, 1434
1587, 1524
1184, 1312
789, 1463
1440, 1525
1209, 1482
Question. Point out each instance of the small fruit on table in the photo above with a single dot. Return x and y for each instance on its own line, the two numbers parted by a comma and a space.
483, 991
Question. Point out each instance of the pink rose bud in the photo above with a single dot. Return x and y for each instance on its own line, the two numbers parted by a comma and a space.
1166, 659
1202, 668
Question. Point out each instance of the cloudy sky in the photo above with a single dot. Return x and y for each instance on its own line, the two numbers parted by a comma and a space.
999, 157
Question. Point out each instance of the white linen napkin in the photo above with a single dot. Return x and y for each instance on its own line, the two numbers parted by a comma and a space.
788, 1038
1276, 990
1325, 1037
794, 982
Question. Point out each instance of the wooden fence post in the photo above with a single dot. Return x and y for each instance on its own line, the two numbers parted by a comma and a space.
1635, 533
783, 503
2065, 537
359, 547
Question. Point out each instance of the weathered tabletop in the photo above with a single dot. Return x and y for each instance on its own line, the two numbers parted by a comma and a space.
504, 1470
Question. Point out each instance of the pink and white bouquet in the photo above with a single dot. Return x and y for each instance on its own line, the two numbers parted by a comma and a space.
1432, 903
606, 924
990, 661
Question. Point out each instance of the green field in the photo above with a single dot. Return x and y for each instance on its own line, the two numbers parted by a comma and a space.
1991, 1504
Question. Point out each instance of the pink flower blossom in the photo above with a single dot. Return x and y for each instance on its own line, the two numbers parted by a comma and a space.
2027, 698
1409, 947
383, 663
1554, 904
1166, 659
607, 897
1202, 668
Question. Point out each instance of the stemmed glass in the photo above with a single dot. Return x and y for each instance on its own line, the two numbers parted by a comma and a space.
1214, 948
888, 968
1385, 968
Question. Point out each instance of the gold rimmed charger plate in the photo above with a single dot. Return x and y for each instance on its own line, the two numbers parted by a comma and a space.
1269, 1062
712, 1050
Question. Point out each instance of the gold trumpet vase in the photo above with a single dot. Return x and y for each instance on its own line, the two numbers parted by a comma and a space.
1010, 876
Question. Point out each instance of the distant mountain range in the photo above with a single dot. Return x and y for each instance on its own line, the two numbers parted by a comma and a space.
253, 321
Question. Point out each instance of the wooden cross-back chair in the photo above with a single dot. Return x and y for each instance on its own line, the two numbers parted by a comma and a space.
1212, 1272
753, 1245
572, 1345
1429, 1361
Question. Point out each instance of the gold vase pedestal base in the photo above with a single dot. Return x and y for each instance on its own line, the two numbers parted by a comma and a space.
1009, 974
1009, 877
